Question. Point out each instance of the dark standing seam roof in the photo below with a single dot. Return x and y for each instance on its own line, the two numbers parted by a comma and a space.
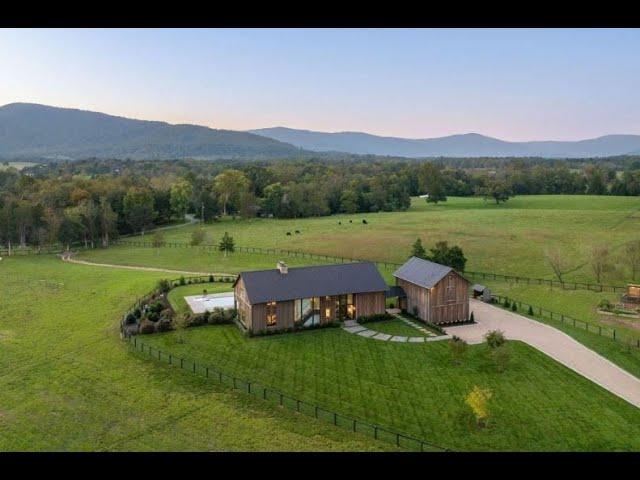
304, 282
422, 272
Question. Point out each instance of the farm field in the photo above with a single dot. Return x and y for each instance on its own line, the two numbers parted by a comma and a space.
68, 383
509, 238
17, 165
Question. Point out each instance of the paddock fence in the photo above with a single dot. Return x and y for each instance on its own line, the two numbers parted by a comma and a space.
384, 264
566, 320
278, 398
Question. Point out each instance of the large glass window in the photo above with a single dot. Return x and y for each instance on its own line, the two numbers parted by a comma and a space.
345, 307
307, 311
272, 317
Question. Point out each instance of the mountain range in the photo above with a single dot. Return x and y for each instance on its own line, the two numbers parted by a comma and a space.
465, 145
43, 132
38, 131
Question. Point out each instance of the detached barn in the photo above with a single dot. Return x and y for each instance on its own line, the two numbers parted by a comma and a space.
435, 293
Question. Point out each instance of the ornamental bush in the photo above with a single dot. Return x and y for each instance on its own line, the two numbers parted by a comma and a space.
147, 326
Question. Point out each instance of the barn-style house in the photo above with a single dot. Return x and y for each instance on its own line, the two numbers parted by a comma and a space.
434, 293
288, 298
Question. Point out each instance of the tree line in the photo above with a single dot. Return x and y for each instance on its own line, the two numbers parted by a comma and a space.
93, 201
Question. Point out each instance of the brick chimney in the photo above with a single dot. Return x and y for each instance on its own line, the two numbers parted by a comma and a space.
282, 267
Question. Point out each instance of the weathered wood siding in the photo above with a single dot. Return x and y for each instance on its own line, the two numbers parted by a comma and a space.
242, 303
445, 302
284, 312
416, 297
369, 303
449, 300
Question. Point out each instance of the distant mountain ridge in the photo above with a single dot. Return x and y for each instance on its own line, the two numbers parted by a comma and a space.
30, 130
465, 145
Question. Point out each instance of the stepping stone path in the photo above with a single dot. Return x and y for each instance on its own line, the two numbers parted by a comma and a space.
352, 326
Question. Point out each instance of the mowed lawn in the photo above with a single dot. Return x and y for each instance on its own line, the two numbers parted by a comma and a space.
509, 238
68, 383
537, 404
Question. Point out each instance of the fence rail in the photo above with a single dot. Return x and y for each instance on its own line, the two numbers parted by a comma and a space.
607, 332
387, 265
276, 397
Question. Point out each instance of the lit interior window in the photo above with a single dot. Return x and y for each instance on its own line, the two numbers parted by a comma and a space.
272, 318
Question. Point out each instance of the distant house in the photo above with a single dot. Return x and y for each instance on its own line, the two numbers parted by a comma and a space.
435, 293
287, 298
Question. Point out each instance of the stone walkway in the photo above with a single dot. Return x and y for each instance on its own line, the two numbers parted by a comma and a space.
352, 326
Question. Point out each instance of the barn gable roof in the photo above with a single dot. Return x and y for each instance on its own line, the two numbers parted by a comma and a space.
422, 272
317, 281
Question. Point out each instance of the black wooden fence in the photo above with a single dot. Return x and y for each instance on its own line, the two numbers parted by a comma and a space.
276, 397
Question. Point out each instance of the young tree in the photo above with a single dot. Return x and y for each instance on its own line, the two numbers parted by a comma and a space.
417, 250
557, 262
450, 256
632, 257
226, 244
228, 185
495, 339
158, 239
197, 237
458, 349
70, 230
478, 400
180, 195
600, 261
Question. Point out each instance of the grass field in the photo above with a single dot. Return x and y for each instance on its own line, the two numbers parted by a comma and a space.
510, 238
67, 381
537, 405
17, 165
394, 327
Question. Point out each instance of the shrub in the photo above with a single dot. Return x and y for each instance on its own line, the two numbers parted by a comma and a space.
506, 303
514, 307
156, 307
435, 327
376, 317
531, 311
205, 316
210, 278
146, 326
164, 285
197, 237
182, 281
392, 305
229, 315
137, 312
495, 338
130, 319
472, 319
164, 325
166, 314
217, 316
152, 316
605, 305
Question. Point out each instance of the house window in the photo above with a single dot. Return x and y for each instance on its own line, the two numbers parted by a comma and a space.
272, 317
450, 293
307, 312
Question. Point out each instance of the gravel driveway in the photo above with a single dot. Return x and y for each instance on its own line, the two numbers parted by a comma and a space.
556, 344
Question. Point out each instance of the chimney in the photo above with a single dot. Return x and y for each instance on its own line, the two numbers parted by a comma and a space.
282, 267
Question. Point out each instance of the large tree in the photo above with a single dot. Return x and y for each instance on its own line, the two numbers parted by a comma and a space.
600, 261
431, 182
138, 208
632, 257
229, 185
181, 192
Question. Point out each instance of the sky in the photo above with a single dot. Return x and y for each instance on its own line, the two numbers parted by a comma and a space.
513, 84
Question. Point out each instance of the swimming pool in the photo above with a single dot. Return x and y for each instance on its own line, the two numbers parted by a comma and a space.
201, 303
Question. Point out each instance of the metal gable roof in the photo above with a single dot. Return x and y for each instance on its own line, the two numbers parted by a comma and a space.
317, 281
422, 272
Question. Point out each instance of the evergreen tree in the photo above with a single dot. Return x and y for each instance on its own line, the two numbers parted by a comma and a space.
226, 244
417, 250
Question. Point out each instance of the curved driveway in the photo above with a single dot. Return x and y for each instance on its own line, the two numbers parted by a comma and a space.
554, 343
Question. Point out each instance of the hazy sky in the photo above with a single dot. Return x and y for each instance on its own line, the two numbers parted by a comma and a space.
511, 84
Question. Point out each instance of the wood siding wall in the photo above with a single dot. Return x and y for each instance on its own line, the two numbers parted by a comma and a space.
434, 305
444, 309
369, 303
416, 297
365, 303
242, 303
